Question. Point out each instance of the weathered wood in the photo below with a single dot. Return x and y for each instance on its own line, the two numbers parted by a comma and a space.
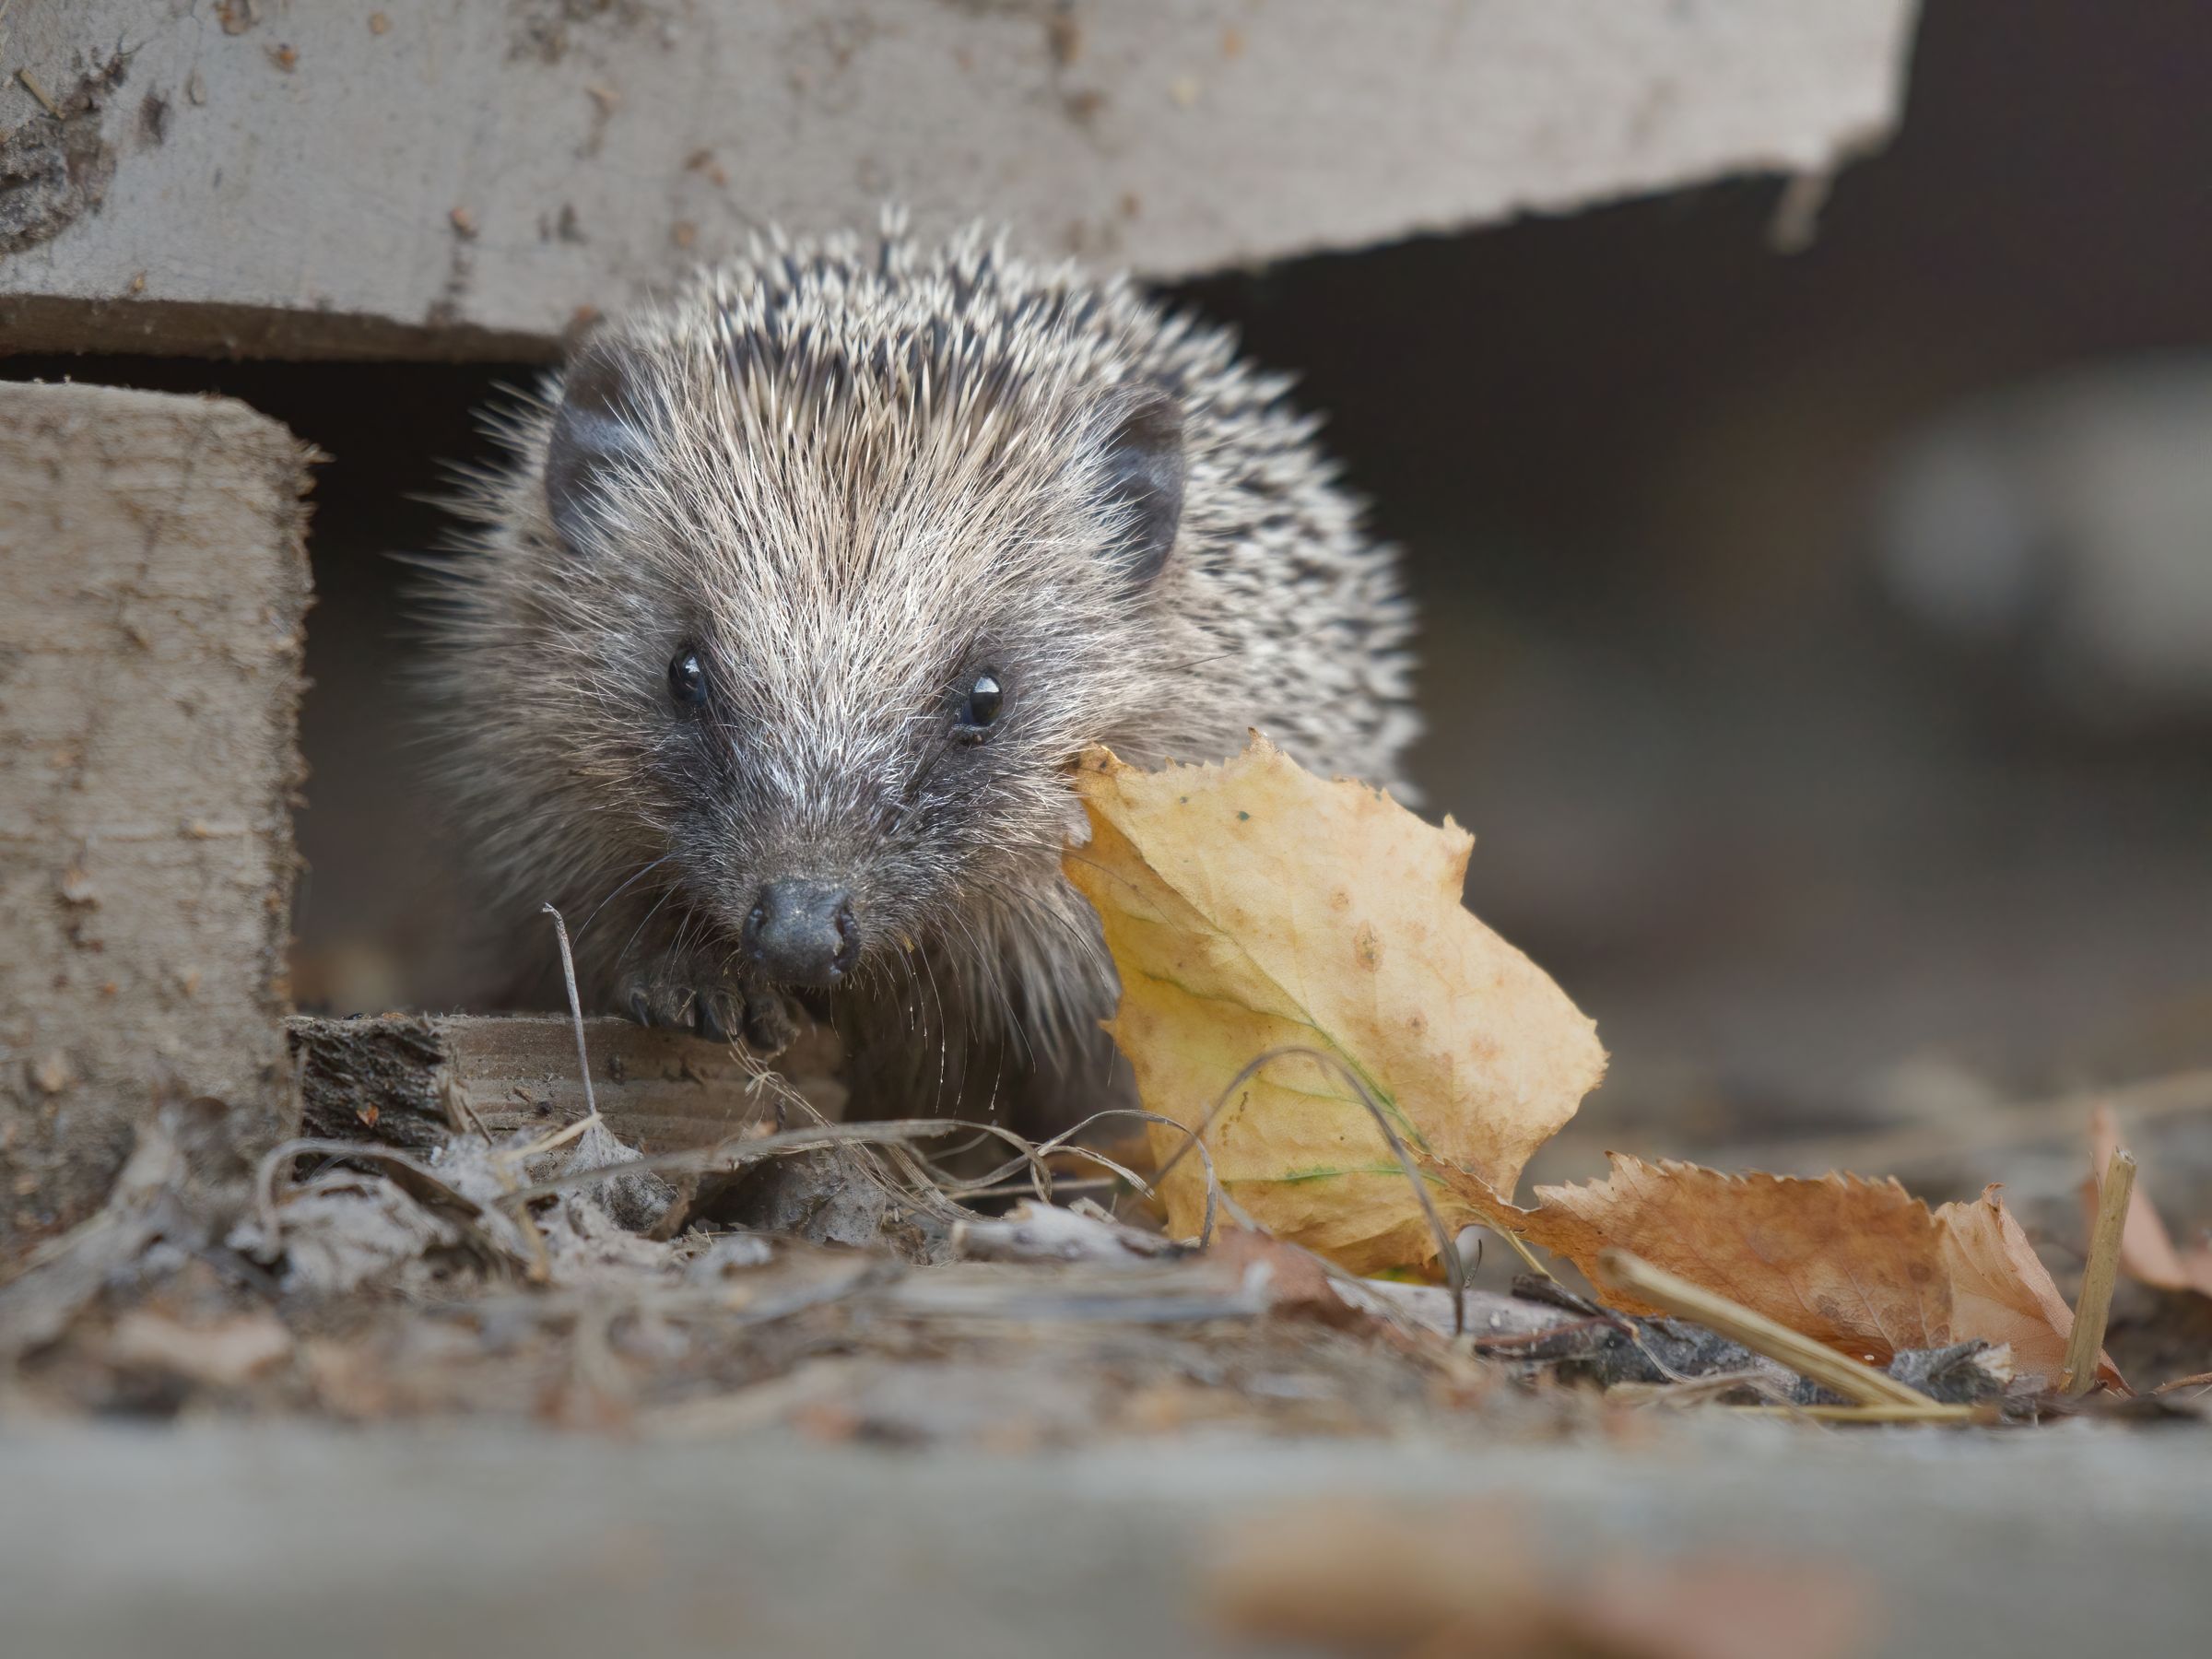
409, 1078
150, 552
257, 1538
463, 180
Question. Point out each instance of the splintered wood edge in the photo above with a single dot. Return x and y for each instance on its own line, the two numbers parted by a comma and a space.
411, 1079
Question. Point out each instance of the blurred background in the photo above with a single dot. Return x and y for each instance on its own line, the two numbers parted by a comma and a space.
1817, 596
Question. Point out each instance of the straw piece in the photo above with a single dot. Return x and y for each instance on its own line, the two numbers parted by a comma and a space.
1928, 1411
2095, 1307
1847, 1376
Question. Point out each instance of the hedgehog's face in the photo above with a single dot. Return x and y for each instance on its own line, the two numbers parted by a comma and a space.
824, 808
836, 683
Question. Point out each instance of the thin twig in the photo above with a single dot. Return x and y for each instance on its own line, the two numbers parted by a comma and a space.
458, 1100
1548, 1289
541, 1263
559, 1137
420, 1179
30, 85
1063, 1142
1687, 1392
1523, 1339
1191, 1143
2094, 1308
568, 974
1014, 1189
1756, 1331
735, 1155
277, 1157
540, 1270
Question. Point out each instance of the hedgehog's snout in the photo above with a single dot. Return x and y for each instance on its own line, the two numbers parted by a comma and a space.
803, 933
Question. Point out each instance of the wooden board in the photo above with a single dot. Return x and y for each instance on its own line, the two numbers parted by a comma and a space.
426, 178
155, 582
408, 1078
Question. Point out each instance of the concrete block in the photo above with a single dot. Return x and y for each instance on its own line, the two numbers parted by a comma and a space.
433, 179
156, 580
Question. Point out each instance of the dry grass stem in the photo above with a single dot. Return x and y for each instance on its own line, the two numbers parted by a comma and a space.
2095, 1305
30, 85
2201, 1380
1928, 1411
553, 1142
422, 1181
1447, 1249
1762, 1336
568, 977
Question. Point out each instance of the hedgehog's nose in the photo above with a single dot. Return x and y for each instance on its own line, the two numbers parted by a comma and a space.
802, 932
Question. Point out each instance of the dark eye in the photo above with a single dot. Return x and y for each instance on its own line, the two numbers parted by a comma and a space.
985, 698
687, 679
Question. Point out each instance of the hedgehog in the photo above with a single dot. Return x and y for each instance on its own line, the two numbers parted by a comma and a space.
768, 651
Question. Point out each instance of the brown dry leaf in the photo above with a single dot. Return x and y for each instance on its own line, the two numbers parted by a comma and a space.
2148, 1254
1252, 907
1860, 1266
1836, 1259
2001, 1291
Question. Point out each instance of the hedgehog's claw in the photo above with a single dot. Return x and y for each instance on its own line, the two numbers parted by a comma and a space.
658, 999
666, 997
770, 1025
709, 1015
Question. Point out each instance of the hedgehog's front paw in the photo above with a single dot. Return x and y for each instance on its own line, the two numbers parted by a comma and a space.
679, 996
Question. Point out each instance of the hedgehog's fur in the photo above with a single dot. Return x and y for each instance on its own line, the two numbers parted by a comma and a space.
852, 473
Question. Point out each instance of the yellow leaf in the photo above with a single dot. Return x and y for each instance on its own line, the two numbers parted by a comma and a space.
1252, 908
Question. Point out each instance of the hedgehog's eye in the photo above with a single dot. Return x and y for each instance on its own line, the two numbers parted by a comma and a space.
986, 699
687, 679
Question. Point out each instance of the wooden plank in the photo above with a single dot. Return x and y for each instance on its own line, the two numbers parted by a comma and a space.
408, 1078
467, 180
151, 554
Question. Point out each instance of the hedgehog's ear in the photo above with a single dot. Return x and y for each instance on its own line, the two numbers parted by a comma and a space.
596, 431
1144, 477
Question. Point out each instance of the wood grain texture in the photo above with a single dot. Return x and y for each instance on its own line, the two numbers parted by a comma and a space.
151, 555
409, 1080
465, 181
